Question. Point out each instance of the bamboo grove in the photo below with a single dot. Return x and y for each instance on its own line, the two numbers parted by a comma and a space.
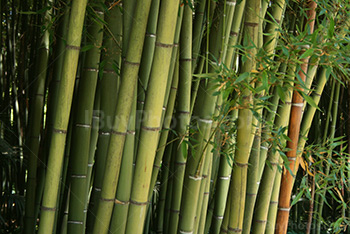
168, 116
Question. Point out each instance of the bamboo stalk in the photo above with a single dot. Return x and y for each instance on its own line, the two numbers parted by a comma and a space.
123, 110
61, 121
182, 116
35, 120
81, 134
152, 116
109, 85
293, 134
121, 206
244, 127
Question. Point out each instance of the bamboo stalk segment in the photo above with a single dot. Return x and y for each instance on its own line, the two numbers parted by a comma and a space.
56, 153
293, 134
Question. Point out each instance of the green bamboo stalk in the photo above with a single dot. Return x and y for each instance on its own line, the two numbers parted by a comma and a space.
147, 57
152, 116
196, 159
228, 21
225, 219
272, 214
109, 85
273, 23
35, 123
244, 131
121, 206
92, 148
169, 167
123, 109
162, 149
222, 187
128, 21
172, 84
81, 134
234, 32
266, 184
271, 116
204, 212
329, 153
182, 116
198, 30
62, 117
252, 185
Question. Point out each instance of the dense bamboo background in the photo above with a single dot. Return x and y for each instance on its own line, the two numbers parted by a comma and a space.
168, 116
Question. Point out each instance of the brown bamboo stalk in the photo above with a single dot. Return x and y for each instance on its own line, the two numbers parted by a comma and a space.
293, 134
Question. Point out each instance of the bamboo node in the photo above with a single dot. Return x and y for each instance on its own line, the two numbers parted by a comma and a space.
107, 199
97, 189
72, 47
131, 132
218, 217
264, 147
233, 34
234, 229
251, 194
159, 44
138, 203
273, 202
284, 209
195, 178
99, 12
206, 193
48, 208
91, 69
78, 176
174, 211
75, 222
104, 133
301, 104
131, 63
118, 133
60, 131
241, 164
224, 177
83, 125
180, 163
186, 60
151, 128
185, 232
251, 24
107, 71
183, 112
208, 121
231, 3
260, 221
150, 35
224, 230
119, 202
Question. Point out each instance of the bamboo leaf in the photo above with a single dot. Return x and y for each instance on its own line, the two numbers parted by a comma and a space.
307, 53
310, 100
297, 198
241, 77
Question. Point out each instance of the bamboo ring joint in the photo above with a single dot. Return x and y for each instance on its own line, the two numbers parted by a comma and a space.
48, 208
72, 47
234, 229
184, 232
60, 131
75, 222
138, 203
